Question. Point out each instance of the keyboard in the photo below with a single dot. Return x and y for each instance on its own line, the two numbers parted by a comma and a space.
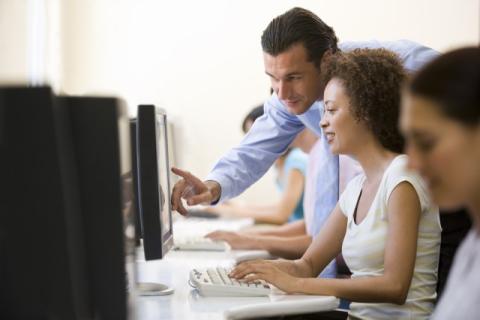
198, 243
201, 226
188, 233
215, 282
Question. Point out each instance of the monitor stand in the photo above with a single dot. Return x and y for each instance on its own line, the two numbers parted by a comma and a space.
153, 289
150, 288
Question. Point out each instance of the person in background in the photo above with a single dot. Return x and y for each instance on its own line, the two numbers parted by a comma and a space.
441, 123
384, 223
288, 241
290, 180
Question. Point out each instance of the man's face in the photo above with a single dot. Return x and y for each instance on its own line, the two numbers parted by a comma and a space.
295, 80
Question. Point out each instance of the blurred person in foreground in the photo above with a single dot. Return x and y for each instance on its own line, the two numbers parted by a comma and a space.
441, 122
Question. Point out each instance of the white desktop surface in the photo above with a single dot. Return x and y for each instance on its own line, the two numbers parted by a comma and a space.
185, 303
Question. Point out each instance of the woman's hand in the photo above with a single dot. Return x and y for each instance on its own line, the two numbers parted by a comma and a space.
267, 270
234, 239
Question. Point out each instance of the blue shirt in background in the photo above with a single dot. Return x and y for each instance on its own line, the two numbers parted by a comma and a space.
296, 159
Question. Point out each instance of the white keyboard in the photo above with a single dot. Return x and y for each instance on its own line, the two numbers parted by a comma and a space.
200, 244
215, 282
201, 226
188, 233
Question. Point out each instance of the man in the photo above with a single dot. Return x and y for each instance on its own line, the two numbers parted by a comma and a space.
294, 46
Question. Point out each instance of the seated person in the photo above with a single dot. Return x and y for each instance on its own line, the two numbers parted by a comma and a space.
291, 240
384, 222
441, 122
290, 169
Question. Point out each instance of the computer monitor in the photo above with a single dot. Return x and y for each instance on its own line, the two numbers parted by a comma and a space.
153, 187
63, 207
42, 257
101, 142
133, 144
153, 173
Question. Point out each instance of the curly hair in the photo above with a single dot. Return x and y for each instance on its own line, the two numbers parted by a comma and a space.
372, 79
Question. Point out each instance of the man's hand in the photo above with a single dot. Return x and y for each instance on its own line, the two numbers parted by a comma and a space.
193, 190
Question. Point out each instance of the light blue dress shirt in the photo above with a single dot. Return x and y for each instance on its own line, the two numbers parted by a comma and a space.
272, 133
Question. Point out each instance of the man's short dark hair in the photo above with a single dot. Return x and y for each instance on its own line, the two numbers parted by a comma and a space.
297, 26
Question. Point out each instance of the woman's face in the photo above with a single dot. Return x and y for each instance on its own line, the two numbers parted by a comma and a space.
342, 131
444, 151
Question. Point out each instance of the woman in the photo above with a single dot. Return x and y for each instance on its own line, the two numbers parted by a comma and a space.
384, 223
441, 122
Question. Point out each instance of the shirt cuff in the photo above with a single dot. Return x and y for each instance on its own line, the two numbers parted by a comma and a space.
225, 191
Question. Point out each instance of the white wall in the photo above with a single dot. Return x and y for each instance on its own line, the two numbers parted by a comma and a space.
29, 42
13, 42
202, 61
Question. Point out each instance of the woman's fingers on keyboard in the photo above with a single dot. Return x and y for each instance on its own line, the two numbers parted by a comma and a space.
269, 273
239, 271
252, 277
245, 268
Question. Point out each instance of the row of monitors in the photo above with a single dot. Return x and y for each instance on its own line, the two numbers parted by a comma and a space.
75, 175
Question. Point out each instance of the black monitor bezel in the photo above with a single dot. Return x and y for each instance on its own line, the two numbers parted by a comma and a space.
156, 242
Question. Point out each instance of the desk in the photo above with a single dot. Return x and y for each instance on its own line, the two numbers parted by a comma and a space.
185, 303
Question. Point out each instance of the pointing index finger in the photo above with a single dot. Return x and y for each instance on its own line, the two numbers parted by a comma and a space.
187, 176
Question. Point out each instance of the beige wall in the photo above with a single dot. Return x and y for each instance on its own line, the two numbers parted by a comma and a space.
13, 42
30, 42
202, 61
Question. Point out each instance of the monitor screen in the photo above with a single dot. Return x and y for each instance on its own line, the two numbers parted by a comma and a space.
163, 173
153, 181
